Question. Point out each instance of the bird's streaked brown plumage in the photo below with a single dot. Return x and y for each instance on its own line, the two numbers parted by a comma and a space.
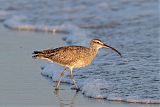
68, 56
72, 56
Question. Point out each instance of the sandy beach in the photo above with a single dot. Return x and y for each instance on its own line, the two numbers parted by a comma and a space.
21, 82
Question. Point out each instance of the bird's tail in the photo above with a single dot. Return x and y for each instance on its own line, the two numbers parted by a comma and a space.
37, 55
37, 52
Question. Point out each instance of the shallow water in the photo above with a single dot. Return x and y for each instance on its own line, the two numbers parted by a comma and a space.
130, 26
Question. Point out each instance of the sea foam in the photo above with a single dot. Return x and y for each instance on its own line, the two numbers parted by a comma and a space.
20, 22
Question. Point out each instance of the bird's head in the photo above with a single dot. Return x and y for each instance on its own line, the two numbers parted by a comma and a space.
96, 43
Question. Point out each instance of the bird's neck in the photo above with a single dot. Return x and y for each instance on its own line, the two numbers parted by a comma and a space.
94, 49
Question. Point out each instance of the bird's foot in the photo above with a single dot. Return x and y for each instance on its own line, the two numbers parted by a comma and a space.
75, 88
56, 88
78, 89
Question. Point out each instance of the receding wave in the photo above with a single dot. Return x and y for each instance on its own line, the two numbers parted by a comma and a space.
94, 87
20, 23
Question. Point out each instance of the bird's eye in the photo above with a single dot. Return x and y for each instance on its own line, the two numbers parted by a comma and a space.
98, 42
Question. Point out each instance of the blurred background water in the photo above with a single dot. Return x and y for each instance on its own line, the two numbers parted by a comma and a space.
131, 26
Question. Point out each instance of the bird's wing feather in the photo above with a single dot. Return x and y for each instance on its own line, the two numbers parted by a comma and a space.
64, 55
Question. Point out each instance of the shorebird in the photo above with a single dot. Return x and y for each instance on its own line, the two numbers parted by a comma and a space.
72, 56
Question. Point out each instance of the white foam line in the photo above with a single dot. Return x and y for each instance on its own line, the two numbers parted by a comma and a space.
20, 23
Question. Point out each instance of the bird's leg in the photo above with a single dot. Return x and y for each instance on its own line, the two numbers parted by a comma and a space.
61, 76
73, 78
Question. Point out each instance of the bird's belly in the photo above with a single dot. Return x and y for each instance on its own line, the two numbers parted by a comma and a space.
81, 63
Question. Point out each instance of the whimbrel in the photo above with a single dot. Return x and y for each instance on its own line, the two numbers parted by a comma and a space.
72, 56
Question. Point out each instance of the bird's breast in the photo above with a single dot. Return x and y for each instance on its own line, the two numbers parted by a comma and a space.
83, 62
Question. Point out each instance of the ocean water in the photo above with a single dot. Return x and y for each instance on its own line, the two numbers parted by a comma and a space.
131, 26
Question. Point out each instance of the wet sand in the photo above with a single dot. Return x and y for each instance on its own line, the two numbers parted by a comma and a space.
21, 82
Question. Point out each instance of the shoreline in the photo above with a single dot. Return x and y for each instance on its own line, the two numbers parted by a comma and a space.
21, 80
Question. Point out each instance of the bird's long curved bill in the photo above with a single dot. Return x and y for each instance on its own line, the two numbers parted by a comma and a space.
107, 46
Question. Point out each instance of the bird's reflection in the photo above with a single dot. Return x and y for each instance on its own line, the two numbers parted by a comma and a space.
63, 102
65, 97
